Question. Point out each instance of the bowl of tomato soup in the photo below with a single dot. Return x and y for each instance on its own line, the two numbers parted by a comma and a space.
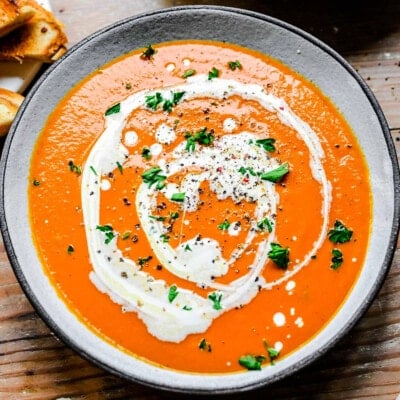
199, 208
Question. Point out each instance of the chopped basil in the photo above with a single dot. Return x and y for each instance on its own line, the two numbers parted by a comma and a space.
216, 299
146, 153
279, 255
178, 197
214, 73
188, 72
153, 101
244, 170
144, 260
277, 174
148, 52
152, 176
158, 217
74, 168
174, 215
108, 232
164, 237
70, 249
202, 137
93, 170
120, 168
204, 345
234, 65
115, 109
265, 224
176, 98
187, 248
337, 258
173, 292
267, 144
223, 226
339, 233
187, 308
271, 351
126, 235
252, 363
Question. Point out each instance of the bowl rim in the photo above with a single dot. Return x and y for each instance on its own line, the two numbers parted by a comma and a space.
389, 252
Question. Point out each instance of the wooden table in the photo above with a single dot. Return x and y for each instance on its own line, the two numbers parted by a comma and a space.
365, 364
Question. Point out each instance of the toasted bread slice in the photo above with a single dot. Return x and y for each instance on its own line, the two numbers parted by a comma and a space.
9, 104
41, 38
13, 14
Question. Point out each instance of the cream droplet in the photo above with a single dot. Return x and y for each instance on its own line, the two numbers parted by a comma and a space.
279, 319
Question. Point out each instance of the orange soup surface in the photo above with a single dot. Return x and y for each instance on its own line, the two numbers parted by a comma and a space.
200, 206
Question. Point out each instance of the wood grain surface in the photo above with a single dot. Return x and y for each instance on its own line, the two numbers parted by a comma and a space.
34, 364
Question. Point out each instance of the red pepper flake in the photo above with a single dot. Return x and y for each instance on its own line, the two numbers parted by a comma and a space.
246, 180
281, 108
219, 169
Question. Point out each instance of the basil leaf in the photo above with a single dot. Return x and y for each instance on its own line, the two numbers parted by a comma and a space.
178, 197
252, 363
339, 233
116, 108
277, 174
337, 258
279, 255
173, 292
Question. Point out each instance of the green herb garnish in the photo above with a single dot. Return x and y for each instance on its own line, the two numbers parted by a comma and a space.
339, 233
187, 308
74, 168
153, 176
244, 170
126, 235
203, 137
216, 299
188, 72
144, 260
93, 170
173, 292
252, 363
176, 97
70, 249
271, 351
204, 345
164, 237
115, 109
120, 168
265, 224
223, 226
148, 52
214, 73
187, 248
36, 182
157, 217
267, 144
234, 65
337, 258
153, 100
277, 174
279, 255
180, 197
108, 232
174, 215
146, 153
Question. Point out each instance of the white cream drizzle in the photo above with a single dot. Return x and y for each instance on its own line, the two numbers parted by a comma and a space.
136, 290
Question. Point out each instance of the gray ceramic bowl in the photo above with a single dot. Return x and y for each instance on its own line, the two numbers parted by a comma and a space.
295, 48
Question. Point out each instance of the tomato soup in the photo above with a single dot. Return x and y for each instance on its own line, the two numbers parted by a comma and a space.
200, 206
